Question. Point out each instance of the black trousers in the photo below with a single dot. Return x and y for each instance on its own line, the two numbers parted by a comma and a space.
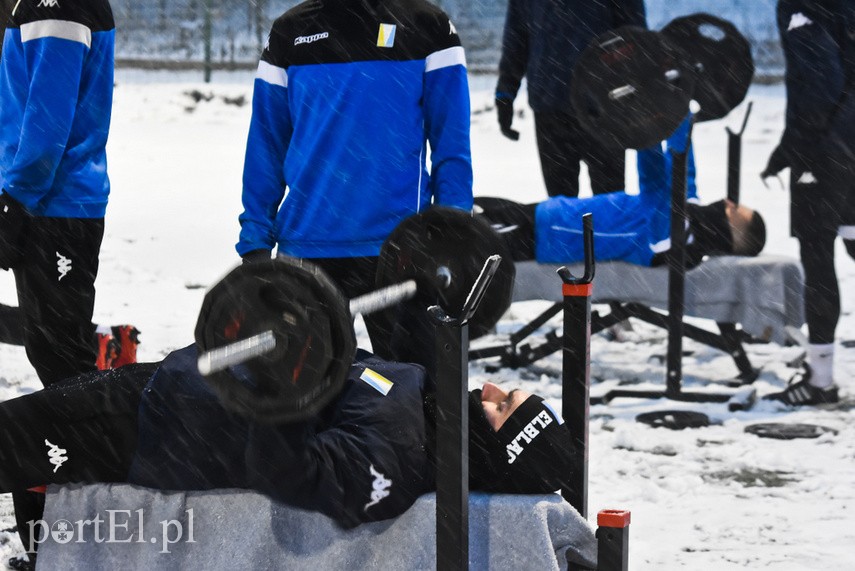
56, 295
55, 282
82, 429
11, 325
514, 222
822, 199
563, 143
403, 333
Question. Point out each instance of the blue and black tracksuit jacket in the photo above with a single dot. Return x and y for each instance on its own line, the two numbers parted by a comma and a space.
818, 38
629, 228
56, 90
348, 96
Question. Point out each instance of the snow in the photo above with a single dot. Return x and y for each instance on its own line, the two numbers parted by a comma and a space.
709, 498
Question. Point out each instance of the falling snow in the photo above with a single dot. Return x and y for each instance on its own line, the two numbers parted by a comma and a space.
710, 498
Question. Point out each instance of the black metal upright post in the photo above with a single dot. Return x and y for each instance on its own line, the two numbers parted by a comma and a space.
576, 367
452, 422
677, 270
734, 158
452, 426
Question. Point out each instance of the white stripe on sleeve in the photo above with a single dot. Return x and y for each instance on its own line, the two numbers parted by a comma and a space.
272, 74
61, 29
445, 58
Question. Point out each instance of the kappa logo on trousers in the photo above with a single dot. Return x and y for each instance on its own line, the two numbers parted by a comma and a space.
56, 455
63, 266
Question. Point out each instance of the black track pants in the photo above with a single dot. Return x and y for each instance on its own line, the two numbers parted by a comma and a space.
562, 144
80, 430
11, 326
56, 295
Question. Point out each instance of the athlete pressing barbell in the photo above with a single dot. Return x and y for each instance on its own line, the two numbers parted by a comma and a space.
366, 455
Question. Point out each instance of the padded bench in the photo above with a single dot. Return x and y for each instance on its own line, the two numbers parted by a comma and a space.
763, 295
238, 529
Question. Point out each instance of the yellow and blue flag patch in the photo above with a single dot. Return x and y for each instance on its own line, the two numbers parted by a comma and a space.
386, 36
376, 380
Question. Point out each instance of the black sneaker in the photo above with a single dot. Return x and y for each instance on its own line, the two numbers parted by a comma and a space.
803, 393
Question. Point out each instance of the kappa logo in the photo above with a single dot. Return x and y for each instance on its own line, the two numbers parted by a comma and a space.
56, 455
309, 39
63, 266
798, 20
807, 178
381, 488
48, 4
528, 433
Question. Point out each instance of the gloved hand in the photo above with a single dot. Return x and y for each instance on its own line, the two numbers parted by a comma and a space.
256, 256
778, 161
14, 220
505, 110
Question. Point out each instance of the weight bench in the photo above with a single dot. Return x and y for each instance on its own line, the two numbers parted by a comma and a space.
239, 529
750, 300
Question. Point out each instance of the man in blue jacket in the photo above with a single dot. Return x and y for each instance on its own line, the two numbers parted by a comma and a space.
56, 89
56, 86
348, 96
818, 38
542, 42
629, 228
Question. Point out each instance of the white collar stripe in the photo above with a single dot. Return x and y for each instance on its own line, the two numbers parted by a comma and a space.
61, 29
445, 58
271, 74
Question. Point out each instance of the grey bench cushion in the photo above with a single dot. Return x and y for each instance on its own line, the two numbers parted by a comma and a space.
238, 529
763, 294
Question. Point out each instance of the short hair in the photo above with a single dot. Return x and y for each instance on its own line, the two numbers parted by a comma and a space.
751, 241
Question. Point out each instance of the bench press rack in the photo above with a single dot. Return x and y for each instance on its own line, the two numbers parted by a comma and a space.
729, 339
452, 478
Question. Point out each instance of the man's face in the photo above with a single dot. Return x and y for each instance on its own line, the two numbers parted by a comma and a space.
740, 217
500, 405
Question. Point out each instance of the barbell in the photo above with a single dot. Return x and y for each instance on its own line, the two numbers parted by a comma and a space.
276, 337
633, 87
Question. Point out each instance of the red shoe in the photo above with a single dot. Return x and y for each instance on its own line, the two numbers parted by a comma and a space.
127, 338
108, 351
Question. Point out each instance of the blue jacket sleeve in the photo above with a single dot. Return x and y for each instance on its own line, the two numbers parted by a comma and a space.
264, 183
54, 66
447, 117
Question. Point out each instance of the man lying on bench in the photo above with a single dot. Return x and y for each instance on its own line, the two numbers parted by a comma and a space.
631, 228
367, 456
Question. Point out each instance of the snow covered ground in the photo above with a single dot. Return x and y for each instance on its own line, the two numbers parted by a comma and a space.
710, 498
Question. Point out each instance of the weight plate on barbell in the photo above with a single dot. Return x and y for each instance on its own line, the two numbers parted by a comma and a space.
631, 88
311, 323
722, 59
443, 250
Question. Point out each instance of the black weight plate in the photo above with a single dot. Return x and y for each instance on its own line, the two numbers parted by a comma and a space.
722, 58
788, 431
674, 419
446, 241
311, 322
631, 88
